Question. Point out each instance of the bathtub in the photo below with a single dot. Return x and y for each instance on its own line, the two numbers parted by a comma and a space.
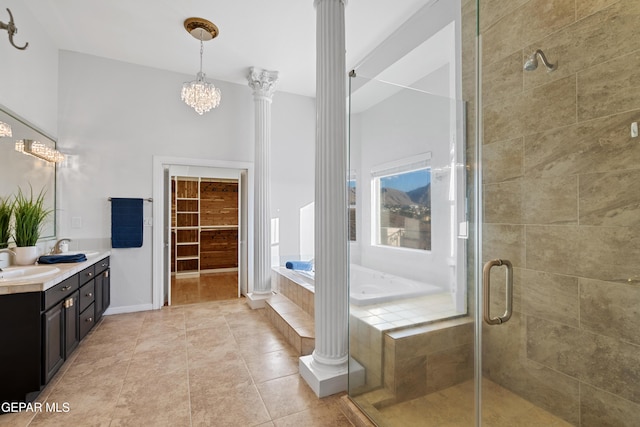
367, 286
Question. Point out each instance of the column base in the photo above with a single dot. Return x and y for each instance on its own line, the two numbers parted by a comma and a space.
332, 379
257, 300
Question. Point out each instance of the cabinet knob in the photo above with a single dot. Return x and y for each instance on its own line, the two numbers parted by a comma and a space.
89, 274
89, 294
104, 264
89, 319
65, 288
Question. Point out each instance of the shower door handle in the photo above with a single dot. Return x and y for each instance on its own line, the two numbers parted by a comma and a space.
486, 283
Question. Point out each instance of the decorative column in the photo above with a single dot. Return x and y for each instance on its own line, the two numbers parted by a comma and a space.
263, 83
326, 369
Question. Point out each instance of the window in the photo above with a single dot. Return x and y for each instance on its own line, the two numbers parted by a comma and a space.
352, 209
402, 210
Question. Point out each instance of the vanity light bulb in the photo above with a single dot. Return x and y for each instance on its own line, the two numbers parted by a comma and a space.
39, 150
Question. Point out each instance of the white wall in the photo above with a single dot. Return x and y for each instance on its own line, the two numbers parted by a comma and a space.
292, 166
114, 116
29, 78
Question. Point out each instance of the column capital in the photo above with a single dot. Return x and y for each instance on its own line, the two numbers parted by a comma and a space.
315, 2
263, 82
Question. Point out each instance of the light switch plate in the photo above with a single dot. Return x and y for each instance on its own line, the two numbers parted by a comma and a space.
634, 130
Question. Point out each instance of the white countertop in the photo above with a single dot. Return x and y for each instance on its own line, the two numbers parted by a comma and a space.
43, 283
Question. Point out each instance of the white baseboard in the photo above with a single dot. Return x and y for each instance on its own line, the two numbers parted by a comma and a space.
128, 309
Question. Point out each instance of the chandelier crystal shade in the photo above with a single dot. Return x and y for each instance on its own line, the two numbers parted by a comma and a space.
199, 94
5, 129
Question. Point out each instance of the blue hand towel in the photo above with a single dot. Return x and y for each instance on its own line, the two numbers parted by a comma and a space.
126, 223
57, 259
299, 265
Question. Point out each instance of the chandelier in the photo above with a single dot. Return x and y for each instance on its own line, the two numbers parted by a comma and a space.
5, 129
199, 94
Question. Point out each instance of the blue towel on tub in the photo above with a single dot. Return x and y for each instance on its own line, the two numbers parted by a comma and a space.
126, 223
299, 265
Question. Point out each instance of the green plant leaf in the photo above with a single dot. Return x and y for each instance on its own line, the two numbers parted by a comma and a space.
6, 210
29, 214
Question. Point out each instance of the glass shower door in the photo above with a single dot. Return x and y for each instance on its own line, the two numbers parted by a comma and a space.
559, 200
411, 334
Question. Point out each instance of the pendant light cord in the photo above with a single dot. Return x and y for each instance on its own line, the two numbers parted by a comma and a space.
201, 50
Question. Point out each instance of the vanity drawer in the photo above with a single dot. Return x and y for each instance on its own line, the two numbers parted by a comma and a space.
87, 295
59, 292
87, 319
87, 274
102, 265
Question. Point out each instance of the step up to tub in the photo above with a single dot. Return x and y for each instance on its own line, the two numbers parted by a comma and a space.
295, 324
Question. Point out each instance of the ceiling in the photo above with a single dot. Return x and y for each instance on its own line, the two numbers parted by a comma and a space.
272, 34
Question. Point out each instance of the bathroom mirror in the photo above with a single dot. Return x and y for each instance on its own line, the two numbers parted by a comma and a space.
20, 170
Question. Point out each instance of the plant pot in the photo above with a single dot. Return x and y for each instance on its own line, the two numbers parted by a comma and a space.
25, 255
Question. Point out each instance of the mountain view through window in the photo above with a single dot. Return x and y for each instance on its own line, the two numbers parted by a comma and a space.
405, 209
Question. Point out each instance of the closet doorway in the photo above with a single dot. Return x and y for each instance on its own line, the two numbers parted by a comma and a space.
163, 168
204, 238
205, 234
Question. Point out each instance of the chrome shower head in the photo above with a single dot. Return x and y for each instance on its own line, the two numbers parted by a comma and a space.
532, 63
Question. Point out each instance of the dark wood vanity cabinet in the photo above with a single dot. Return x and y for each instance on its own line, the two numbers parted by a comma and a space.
102, 288
87, 298
60, 333
40, 330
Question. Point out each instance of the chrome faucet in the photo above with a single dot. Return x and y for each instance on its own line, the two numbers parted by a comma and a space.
2, 263
56, 248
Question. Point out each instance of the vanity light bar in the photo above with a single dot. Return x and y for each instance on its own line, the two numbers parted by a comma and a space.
5, 129
39, 150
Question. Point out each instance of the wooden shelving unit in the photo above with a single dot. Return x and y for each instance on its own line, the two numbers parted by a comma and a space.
186, 225
204, 225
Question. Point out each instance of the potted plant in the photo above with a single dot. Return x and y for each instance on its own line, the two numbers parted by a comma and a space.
6, 210
29, 214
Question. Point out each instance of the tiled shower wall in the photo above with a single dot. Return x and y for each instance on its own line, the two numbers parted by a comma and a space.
561, 181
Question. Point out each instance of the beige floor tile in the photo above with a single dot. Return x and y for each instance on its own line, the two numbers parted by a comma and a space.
219, 378
239, 407
156, 363
261, 343
17, 419
287, 395
153, 394
172, 417
318, 416
174, 341
269, 366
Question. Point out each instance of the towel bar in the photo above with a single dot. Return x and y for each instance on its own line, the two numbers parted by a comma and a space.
149, 199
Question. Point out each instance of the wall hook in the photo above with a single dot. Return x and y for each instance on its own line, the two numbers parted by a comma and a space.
12, 29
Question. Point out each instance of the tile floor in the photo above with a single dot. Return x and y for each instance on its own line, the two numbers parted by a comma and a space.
209, 364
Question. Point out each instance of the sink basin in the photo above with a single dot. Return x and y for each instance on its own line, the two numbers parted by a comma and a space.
88, 254
26, 272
